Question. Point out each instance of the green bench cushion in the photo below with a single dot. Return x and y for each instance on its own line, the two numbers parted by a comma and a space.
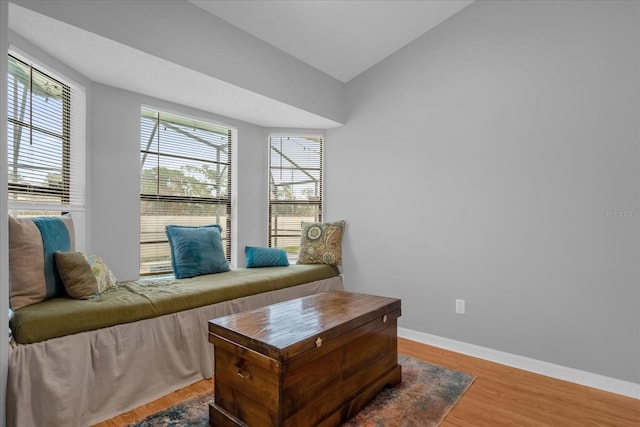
144, 299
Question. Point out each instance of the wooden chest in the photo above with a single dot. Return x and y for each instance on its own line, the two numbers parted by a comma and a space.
315, 360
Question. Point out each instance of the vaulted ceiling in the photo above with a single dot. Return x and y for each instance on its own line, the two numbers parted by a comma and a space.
340, 38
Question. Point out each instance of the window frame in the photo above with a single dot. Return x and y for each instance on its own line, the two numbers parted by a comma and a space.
64, 191
163, 117
74, 202
272, 202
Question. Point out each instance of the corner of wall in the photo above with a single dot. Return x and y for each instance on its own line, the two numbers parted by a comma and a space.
4, 241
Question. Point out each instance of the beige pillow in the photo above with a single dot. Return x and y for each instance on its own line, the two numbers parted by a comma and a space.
29, 262
321, 243
84, 275
77, 277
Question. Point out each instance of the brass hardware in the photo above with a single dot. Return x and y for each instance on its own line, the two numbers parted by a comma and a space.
243, 374
384, 318
318, 342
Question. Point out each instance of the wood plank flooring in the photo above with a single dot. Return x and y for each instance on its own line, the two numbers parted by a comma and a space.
500, 396
505, 396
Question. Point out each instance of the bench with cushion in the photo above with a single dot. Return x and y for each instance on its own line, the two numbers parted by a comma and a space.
78, 361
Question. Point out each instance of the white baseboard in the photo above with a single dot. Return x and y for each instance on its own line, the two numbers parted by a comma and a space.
577, 376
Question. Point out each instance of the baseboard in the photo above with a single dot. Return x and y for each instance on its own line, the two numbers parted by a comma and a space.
564, 373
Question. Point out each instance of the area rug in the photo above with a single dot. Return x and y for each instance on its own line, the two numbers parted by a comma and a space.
424, 398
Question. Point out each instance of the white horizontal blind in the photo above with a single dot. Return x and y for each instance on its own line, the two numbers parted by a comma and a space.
46, 153
185, 179
295, 188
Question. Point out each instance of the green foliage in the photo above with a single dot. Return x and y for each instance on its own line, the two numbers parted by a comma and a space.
198, 183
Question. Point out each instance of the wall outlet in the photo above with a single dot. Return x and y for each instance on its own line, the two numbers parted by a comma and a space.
460, 306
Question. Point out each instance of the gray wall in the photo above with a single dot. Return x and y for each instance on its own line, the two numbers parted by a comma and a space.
115, 174
496, 159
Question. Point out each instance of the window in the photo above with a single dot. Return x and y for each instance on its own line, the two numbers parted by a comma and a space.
295, 188
45, 142
185, 179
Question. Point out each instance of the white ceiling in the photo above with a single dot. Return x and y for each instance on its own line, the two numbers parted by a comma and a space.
341, 38
92, 56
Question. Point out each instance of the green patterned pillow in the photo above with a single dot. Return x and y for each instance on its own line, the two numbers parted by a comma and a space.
104, 276
321, 243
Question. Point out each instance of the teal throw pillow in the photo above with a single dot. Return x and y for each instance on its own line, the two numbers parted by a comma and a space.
196, 250
265, 257
55, 237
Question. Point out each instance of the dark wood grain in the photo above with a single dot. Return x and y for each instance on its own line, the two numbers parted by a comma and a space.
312, 361
288, 328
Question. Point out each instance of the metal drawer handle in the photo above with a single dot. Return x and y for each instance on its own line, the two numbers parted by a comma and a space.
318, 342
384, 318
243, 374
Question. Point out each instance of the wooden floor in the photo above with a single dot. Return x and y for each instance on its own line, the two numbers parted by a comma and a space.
500, 396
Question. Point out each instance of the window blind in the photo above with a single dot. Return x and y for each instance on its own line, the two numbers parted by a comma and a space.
295, 188
45, 127
185, 179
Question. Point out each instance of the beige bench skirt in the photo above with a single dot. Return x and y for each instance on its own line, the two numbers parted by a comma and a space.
85, 378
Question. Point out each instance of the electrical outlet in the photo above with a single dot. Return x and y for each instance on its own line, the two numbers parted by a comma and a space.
460, 306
